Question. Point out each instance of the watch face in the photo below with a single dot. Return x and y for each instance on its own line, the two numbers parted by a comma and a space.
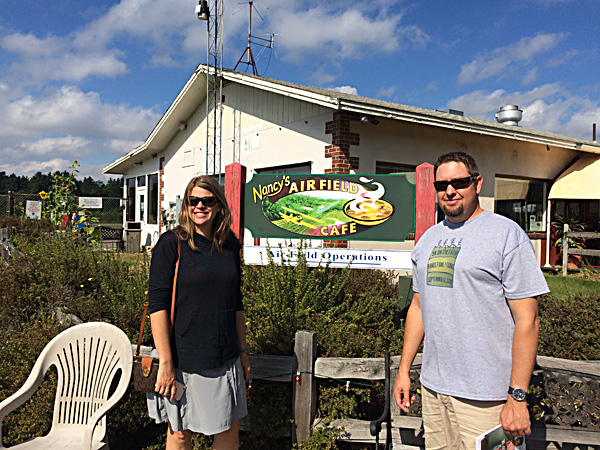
518, 394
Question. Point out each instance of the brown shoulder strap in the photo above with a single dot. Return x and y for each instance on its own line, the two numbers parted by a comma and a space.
137, 350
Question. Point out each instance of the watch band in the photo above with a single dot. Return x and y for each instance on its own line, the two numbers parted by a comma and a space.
518, 394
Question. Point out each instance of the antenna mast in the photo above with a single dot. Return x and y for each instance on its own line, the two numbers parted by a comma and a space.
214, 83
248, 50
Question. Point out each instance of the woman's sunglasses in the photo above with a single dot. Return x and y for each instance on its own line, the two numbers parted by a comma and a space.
457, 183
206, 201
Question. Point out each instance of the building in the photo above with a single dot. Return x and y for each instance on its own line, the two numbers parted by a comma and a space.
274, 126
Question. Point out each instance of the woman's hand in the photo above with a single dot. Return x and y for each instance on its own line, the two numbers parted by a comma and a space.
165, 380
245, 359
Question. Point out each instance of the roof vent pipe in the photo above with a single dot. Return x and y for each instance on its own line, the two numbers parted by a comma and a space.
509, 115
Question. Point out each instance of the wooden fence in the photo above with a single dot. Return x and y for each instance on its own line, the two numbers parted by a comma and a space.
573, 250
565, 393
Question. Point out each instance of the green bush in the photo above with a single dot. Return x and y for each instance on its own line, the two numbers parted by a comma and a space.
18, 225
354, 313
569, 326
67, 276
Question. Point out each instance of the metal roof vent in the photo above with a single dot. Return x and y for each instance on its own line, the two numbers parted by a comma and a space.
509, 115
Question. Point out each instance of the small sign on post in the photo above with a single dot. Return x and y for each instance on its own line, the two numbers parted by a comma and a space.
90, 202
33, 209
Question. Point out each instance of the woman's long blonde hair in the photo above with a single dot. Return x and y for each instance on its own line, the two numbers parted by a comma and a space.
222, 223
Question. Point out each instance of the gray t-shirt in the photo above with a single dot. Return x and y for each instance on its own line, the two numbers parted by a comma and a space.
464, 274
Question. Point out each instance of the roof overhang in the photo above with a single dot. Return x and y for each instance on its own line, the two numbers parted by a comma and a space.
187, 101
581, 181
193, 94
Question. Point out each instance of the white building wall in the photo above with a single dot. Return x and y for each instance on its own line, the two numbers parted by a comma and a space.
267, 130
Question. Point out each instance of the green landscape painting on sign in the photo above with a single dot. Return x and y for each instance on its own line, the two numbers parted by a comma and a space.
358, 207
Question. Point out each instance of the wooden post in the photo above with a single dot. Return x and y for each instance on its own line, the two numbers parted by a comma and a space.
235, 178
565, 248
10, 204
425, 200
305, 390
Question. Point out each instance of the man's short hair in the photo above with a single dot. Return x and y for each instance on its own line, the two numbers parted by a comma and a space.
458, 157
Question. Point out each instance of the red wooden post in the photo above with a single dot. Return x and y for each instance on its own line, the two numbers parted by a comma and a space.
235, 178
425, 213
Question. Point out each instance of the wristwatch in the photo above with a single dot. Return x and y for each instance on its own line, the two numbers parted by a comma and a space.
518, 394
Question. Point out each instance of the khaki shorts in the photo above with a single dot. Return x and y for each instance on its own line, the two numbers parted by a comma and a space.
454, 423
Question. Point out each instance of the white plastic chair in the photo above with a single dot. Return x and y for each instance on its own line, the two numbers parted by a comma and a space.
87, 358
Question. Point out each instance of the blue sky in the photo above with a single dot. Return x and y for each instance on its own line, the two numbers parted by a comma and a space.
89, 80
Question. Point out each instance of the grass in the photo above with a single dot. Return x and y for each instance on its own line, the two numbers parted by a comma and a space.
582, 284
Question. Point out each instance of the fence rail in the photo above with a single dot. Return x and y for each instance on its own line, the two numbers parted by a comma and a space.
576, 251
562, 381
111, 213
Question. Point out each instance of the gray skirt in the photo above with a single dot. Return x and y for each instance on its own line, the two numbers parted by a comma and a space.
211, 400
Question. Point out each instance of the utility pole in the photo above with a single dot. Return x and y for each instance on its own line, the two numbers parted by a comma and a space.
214, 83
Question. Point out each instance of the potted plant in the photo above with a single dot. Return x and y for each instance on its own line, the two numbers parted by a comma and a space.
574, 224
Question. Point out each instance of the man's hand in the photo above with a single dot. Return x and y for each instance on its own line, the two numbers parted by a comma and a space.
402, 392
514, 418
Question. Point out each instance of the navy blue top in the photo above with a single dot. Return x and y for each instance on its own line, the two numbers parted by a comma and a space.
207, 298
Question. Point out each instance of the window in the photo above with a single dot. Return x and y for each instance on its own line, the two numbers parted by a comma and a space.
188, 158
130, 183
141, 180
387, 167
521, 200
153, 199
142, 208
289, 169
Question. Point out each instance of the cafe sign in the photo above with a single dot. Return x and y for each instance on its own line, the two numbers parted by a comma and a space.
353, 207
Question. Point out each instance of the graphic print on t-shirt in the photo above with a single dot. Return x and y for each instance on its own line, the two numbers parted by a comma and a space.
440, 266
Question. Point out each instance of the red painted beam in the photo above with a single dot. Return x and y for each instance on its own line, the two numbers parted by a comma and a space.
235, 179
425, 201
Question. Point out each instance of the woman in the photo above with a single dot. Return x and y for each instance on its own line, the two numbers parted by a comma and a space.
205, 355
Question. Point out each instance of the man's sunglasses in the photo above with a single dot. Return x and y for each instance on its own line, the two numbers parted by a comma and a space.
206, 201
457, 183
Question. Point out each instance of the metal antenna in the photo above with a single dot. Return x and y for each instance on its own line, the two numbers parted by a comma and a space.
214, 85
260, 41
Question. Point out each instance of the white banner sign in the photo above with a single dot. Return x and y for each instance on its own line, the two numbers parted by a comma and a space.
90, 202
337, 257
33, 209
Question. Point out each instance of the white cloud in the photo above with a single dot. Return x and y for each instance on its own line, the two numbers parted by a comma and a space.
167, 31
386, 92
432, 86
345, 90
530, 77
549, 107
69, 110
47, 132
340, 30
499, 60
30, 167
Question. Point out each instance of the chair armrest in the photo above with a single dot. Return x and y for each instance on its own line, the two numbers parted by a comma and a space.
104, 409
11, 403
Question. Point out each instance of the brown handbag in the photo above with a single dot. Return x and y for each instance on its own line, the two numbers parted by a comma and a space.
145, 368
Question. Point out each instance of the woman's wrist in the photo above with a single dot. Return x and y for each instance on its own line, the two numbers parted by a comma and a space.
244, 349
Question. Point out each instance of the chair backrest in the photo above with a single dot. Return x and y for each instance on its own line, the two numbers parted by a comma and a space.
87, 358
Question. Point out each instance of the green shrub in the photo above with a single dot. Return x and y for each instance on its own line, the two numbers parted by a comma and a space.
569, 326
19, 351
19, 225
93, 285
354, 312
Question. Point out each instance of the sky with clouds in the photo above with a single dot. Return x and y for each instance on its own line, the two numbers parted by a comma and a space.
90, 80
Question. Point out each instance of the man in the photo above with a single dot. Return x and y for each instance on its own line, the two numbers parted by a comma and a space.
475, 282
